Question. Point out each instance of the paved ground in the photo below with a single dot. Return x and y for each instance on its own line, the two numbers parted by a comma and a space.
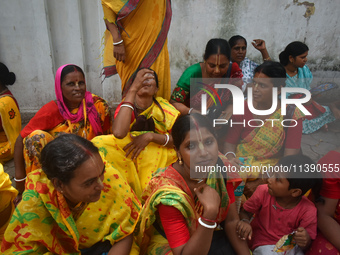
314, 145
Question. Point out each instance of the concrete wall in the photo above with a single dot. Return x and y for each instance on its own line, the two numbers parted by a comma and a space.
37, 36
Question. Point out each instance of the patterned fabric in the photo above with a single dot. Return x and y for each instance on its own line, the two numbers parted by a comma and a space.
183, 88
42, 223
138, 172
7, 194
11, 125
46, 125
248, 67
168, 187
264, 144
144, 27
303, 79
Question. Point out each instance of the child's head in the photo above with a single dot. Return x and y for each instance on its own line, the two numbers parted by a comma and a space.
298, 180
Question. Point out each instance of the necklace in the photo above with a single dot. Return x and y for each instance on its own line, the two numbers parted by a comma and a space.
139, 108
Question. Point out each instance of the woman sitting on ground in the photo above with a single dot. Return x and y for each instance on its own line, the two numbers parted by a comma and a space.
10, 118
141, 140
215, 67
238, 45
75, 111
294, 59
255, 137
77, 204
181, 211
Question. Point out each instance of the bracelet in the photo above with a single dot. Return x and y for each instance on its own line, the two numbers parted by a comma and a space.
212, 221
190, 110
230, 152
116, 43
167, 138
206, 225
127, 105
20, 180
246, 220
267, 59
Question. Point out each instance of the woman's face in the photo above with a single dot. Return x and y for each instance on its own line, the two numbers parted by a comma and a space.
216, 65
87, 183
300, 61
149, 87
73, 88
262, 88
199, 148
238, 51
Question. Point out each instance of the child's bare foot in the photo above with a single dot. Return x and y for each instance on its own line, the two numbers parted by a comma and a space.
325, 128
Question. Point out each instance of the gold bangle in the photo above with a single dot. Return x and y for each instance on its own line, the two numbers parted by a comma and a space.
266, 59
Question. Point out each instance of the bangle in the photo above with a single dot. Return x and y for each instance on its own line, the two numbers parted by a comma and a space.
246, 220
266, 59
117, 43
190, 110
127, 105
167, 138
19, 180
212, 221
206, 225
230, 152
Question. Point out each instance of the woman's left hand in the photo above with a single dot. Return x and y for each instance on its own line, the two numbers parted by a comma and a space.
259, 44
137, 145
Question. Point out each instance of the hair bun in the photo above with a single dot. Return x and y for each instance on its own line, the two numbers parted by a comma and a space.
284, 58
10, 78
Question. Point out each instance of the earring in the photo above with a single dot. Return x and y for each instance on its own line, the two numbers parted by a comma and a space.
180, 161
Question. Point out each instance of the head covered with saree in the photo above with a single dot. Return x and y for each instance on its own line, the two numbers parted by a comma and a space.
86, 108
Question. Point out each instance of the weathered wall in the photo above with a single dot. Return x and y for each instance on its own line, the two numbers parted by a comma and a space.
37, 36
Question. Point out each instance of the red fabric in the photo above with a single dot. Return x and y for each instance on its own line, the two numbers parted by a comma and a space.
46, 118
118, 109
174, 225
314, 108
270, 224
230, 190
237, 132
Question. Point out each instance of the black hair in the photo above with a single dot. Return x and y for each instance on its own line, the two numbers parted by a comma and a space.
300, 162
233, 40
187, 122
273, 70
69, 69
217, 46
293, 49
6, 77
135, 75
60, 157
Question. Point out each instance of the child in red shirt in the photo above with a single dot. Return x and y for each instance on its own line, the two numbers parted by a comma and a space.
281, 208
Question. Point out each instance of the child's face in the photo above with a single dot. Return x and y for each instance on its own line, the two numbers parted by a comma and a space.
278, 186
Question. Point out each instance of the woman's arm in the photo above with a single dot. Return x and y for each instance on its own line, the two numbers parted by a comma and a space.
328, 226
231, 148
240, 246
182, 108
119, 49
19, 164
123, 247
260, 45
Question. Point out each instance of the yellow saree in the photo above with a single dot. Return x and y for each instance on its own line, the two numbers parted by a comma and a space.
138, 172
264, 145
11, 124
168, 187
144, 26
7, 194
42, 223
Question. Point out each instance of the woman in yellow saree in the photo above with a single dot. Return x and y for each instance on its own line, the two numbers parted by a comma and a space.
136, 37
141, 141
75, 204
7, 195
75, 111
10, 121
181, 210
262, 140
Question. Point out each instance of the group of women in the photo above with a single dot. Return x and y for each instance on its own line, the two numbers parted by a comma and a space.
128, 188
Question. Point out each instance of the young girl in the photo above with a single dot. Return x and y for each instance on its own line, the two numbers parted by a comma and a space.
280, 208
294, 59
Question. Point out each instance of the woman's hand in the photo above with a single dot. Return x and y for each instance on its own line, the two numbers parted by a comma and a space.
209, 199
259, 44
137, 145
244, 230
141, 79
17, 200
119, 52
250, 187
234, 161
